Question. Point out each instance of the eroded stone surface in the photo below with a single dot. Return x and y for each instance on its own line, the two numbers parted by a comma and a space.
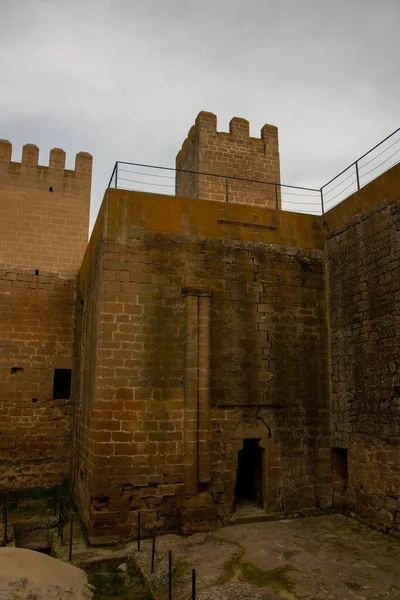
25, 574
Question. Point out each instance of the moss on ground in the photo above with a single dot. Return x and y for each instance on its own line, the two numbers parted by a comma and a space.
112, 584
249, 573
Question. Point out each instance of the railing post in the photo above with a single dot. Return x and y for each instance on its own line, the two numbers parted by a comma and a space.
116, 175
169, 575
193, 584
153, 551
276, 197
71, 533
55, 501
5, 519
322, 200
61, 516
138, 531
357, 175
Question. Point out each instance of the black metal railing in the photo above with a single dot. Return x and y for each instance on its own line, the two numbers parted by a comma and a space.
150, 178
379, 159
161, 566
365, 169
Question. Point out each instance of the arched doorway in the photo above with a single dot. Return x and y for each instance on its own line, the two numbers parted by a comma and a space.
252, 436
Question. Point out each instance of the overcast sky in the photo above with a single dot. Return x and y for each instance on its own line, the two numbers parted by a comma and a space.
125, 79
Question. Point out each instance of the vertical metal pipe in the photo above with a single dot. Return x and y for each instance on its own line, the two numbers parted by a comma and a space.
169, 575
204, 433
357, 175
61, 516
193, 584
138, 531
55, 501
5, 519
71, 534
62, 530
153, 551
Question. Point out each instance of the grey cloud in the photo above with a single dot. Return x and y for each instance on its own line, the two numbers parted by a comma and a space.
125, 79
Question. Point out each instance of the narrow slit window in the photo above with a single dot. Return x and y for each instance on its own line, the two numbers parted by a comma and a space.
62, 384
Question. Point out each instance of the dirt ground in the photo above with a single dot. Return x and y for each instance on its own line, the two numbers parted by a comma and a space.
318, 558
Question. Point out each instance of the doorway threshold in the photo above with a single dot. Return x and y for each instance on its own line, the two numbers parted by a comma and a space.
252, 513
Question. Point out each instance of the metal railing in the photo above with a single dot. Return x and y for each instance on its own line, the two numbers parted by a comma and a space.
365, 169
139, 177
379, 159
162, 567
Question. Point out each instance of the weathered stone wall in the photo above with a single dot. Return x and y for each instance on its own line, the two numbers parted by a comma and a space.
36, 337
86, 464
234, 154
364, 292
267, 364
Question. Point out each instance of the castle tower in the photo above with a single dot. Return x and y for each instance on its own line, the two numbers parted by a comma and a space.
237, 163
44, 211
44, 219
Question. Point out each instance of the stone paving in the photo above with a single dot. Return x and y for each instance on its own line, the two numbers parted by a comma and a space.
319, 558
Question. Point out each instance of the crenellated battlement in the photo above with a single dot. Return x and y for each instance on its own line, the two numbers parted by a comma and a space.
233, 154
28, 172
44, 210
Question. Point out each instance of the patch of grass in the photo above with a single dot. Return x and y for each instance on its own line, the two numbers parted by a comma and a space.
106, 585
179, 569
112, 584
275, 578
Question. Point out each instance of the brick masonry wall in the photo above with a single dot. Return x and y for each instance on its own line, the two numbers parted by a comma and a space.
364, 294
233, 154
36, 336
44, 211
268, 375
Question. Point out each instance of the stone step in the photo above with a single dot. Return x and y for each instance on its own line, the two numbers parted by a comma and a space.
256, 518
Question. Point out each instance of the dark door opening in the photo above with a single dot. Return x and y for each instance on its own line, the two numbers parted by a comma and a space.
249, 474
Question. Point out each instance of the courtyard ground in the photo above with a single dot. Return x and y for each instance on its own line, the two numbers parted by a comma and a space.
318, 558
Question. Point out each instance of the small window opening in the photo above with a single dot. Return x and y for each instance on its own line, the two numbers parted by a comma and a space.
36, 271
62, 384
340, 471
15, 370
51, 188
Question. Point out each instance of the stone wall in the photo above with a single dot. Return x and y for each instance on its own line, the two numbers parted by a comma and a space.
266, 374
364, 292
87, 465
229, 156
36, 337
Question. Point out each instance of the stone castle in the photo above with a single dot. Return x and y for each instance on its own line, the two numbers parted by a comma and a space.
197, 353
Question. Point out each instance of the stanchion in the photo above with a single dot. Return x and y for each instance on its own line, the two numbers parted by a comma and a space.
138, 531
5, 519
193, 584
169, 575
61, 520
71, 534
153, 551
55, 501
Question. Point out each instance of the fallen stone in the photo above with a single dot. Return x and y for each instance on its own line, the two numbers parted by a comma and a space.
28, 574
